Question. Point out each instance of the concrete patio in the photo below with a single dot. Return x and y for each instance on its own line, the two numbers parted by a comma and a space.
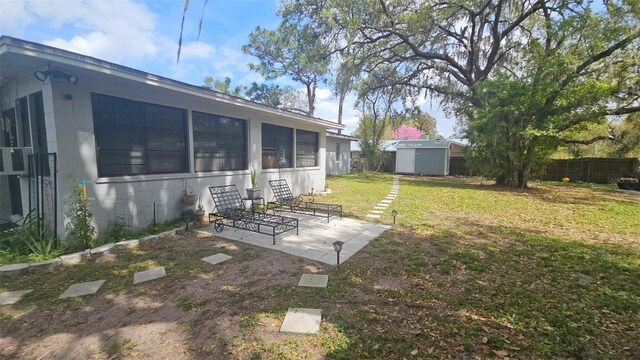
315, 239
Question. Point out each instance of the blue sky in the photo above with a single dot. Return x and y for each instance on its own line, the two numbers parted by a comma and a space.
144, 35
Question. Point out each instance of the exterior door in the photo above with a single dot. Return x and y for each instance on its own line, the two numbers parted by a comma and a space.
431, 161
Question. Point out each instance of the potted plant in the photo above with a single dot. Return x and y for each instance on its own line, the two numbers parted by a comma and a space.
188, 198
254, 191
200, 210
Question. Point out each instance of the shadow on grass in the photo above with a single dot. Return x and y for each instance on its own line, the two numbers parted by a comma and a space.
580, 195
476, 290
520, 293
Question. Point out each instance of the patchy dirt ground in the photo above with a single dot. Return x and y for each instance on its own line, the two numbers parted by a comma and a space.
191, 313
470, 271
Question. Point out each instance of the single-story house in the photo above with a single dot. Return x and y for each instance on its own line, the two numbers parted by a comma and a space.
138, 140
427, 157
339, 153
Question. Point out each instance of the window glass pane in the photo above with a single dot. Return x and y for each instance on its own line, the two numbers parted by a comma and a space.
22, 111
8, 129
306, 148
17, 159
38, 126
277, 146
219, 143
136, 138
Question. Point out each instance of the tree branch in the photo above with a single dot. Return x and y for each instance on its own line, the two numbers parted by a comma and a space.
589, 141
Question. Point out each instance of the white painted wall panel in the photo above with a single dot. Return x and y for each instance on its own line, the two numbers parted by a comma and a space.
405, 161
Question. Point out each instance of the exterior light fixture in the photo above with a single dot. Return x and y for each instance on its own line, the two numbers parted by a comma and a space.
44, 75
394, 213
337, 246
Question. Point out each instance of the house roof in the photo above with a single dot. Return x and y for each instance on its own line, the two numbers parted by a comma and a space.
386, 145
392, 145
341, 136
21, 58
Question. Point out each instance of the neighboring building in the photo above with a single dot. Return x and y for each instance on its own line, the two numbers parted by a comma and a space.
339, 153
427, 157
139, 140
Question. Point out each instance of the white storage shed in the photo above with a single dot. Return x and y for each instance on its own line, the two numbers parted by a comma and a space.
425, 157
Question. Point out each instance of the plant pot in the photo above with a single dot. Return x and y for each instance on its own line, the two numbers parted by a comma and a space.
253, 194
200, 216
189, 199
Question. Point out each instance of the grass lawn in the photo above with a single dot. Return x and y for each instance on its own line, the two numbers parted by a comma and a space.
470, 270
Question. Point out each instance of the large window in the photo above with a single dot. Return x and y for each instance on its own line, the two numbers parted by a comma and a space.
219, 143
277, 146
136, 138
306, 148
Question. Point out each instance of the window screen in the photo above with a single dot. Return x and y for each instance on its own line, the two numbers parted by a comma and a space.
306, 148
277, 146
136, 138
219, 143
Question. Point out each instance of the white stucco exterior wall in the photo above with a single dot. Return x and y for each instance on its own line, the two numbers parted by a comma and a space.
338, 164
132, 197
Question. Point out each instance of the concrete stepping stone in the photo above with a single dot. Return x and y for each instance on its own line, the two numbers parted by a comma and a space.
12, 297
314, 280
81, 289
379, 207
302, 321
216, 259
386, 201
373, 216
377, 211
148, 275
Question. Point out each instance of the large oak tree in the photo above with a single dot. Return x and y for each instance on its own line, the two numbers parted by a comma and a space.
517, 73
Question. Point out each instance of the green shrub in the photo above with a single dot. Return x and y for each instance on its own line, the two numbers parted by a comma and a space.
80, 229
32, 238
117, 230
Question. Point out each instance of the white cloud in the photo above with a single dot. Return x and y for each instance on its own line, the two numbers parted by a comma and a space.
327, 108
323, 94
14, 17
110, 30
197, 50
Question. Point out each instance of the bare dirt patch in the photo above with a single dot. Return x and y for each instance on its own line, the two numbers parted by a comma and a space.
195, 312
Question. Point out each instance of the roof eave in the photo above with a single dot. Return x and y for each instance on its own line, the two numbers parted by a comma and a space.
27, 48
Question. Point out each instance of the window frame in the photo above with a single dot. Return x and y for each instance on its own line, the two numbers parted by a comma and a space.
290, 141
141, 121
301, 146
216, 118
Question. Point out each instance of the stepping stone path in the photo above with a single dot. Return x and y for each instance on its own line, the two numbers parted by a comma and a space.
81, 289
12, 297
302, 321
216, 259
312, 280
379, 209
148, 275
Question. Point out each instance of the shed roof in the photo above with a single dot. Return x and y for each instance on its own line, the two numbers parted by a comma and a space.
386, 145
427, 144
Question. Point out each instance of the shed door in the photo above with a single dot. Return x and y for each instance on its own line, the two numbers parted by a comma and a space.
405, 161
431, 161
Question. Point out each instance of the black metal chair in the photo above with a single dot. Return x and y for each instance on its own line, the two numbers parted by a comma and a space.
231, 211
303, 204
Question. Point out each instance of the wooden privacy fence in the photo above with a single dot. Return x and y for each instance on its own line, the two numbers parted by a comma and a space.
596, 170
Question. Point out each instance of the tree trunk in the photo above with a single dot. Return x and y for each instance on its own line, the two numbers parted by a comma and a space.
311, 96
343, 95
